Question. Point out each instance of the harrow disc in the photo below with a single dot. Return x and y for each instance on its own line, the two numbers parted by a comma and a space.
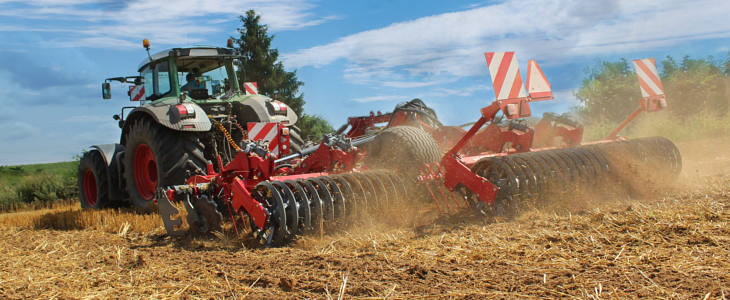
275, 231
328, 209
315, 204
322, 203
532, 178
304, 212
338, 200
209, 218
291, 208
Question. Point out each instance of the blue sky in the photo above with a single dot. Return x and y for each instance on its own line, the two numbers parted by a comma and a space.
353, 56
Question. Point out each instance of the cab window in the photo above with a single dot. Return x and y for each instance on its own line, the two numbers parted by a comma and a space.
206, 85
156, 80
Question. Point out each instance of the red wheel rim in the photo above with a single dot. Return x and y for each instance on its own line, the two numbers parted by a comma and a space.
90, 187
145, 171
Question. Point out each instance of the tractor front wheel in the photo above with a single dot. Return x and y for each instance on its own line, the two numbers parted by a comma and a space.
156, 156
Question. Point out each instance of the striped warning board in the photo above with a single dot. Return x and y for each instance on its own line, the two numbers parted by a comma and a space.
269, 132
252, 88
505, 73
648, 77
136, 92
537, 85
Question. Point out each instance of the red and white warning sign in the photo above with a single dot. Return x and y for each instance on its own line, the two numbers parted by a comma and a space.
269, 132
652, 91
505, 73
648, 77
136, 92
537, 85
252, 88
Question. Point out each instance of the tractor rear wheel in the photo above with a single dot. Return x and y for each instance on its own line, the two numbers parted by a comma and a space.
403, 149
155, 157
93, 181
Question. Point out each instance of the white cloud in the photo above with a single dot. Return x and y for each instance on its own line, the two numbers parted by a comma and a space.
410, 84
567, 96
433, 93
111, 24
450, 45
380, 98
463, 92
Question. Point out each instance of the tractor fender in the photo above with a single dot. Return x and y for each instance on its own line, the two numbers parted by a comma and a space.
257, 107
107, 151
167, 115
112, 154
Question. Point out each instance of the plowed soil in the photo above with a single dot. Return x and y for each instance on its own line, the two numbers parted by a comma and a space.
675, 244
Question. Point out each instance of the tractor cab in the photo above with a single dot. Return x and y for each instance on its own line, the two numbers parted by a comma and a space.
200, 73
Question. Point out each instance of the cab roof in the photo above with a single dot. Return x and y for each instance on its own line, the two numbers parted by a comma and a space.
192, 52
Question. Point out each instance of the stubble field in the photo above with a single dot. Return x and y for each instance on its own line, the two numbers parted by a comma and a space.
674, 244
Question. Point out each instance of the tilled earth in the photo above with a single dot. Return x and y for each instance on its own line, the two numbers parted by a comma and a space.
673, 245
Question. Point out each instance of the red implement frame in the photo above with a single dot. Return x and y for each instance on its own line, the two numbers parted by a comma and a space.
360, 125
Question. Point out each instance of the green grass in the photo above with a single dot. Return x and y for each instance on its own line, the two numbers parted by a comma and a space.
37, 184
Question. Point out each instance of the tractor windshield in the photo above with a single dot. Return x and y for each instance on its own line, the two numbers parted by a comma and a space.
203, 79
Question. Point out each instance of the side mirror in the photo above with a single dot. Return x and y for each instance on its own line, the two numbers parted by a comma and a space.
106, 92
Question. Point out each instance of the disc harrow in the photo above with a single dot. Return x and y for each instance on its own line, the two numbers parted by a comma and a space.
321, 204
517, 174
291, 206
532, 178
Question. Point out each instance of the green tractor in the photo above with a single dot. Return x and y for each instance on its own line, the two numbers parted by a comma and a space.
192, 108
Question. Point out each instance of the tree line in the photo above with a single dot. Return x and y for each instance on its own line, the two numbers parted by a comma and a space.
693, 87
260, 63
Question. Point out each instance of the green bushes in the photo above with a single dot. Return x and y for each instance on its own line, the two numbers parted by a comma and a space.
698, 97
33, 185
46, 187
